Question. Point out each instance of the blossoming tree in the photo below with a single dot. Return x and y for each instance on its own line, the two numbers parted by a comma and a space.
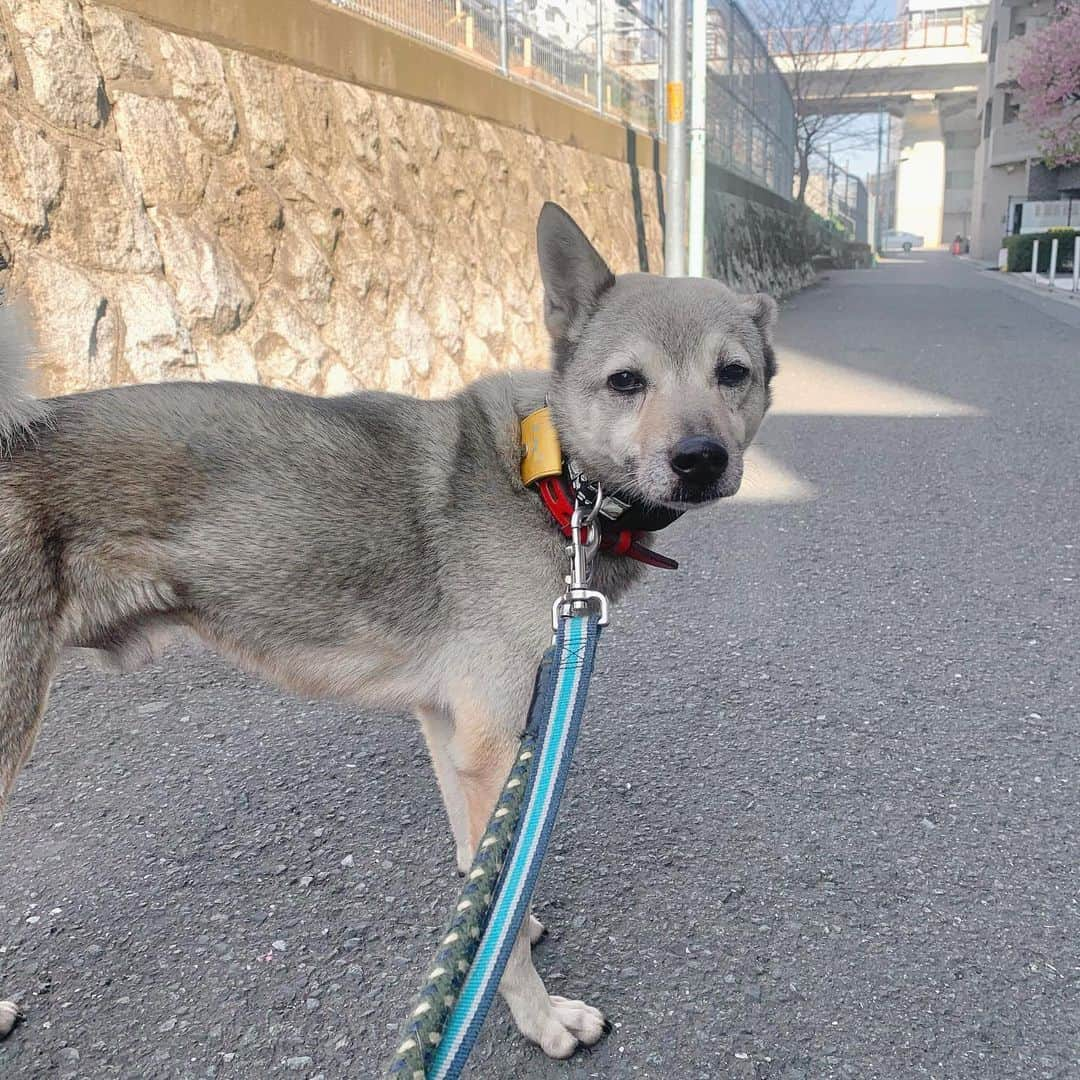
1049, 77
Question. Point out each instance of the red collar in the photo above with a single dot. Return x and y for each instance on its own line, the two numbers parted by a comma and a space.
557, 497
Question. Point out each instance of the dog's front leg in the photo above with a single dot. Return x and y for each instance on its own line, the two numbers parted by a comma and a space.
482, 749
438, 727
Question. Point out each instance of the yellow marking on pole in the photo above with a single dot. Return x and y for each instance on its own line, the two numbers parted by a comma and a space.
676, 102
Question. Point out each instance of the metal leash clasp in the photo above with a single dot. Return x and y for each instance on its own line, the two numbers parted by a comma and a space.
579, 599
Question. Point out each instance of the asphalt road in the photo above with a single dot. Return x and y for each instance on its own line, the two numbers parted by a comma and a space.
824, 817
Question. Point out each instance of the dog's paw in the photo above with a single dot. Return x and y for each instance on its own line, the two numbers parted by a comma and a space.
9, 1017
571, 1024
464, 860
537, 931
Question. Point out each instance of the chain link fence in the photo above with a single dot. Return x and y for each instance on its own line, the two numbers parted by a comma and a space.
838, 196
609, 55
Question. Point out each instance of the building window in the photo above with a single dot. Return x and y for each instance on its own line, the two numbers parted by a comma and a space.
1011, 110
992, 53
988, 114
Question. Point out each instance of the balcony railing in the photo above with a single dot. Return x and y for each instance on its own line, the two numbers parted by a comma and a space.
910, 33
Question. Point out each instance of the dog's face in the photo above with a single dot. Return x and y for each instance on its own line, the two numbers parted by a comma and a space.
660, 383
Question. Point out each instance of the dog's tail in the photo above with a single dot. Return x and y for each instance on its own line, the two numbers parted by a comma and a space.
19, 410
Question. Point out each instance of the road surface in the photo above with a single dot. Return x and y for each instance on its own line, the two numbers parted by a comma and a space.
824, 817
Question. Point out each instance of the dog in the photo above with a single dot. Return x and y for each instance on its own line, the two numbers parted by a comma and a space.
375, 549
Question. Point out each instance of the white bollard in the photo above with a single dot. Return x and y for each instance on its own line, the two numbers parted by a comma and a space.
1035, 263
1053, 263
1076, 264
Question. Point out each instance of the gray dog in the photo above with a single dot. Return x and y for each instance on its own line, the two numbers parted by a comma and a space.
373, 548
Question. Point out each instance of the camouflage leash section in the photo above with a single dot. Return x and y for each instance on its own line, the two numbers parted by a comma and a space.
431, 1009
447, 1014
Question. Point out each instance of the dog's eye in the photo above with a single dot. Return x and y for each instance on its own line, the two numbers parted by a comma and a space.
732, 374
626, 382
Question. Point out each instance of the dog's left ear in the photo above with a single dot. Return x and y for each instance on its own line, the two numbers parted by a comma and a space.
574, 274
763, 310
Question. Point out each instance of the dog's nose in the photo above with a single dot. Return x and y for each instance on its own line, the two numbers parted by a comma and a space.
699, 459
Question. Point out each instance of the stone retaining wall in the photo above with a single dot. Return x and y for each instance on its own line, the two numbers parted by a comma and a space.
172, 208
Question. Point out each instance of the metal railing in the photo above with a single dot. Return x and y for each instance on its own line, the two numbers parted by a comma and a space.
610, 57
838, 196
913, 32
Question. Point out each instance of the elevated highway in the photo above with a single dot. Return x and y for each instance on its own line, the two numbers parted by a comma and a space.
924, 70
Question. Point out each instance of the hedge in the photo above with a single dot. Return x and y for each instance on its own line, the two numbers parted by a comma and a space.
1019, 249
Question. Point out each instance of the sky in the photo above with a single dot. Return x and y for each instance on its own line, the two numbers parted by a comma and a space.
862, 160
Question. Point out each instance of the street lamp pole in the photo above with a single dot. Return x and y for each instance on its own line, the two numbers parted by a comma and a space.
504, 38
877, 184
600, 56
698, 106
675, 235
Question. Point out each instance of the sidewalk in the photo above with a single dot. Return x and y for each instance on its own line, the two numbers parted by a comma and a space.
1063, 283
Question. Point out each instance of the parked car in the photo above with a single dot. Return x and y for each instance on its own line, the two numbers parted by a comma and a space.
895, 240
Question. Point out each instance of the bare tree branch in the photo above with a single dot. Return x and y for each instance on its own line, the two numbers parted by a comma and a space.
807, 35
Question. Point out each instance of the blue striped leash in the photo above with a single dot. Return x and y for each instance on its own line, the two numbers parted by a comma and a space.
575, 649
441, 1030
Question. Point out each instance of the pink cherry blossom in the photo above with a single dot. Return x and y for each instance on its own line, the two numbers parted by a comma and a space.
1049, 77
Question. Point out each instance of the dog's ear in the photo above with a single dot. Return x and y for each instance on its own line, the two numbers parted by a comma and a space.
574, 274
763, 311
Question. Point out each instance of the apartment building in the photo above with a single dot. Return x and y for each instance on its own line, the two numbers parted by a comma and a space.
1007, 166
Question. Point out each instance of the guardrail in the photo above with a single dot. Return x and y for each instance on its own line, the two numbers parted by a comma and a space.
614, 65
907, 33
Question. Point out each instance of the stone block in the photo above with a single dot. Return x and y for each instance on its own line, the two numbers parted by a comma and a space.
157, 343
197, 75
119, 44
64, 76
228, 357
168, 161
9, 79
259, 98
246, 214
101, 222
207, 284
285, 342
77, 325
31, 175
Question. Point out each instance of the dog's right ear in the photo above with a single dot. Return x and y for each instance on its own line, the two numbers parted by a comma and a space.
574, 274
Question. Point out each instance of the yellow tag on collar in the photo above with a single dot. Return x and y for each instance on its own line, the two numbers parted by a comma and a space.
541, 454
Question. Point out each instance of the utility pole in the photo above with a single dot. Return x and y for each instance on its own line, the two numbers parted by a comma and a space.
675, 238
504, 39
877, 184
698, 106
829, 180
599, 56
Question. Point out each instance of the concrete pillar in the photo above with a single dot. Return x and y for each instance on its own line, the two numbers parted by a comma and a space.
920, 174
